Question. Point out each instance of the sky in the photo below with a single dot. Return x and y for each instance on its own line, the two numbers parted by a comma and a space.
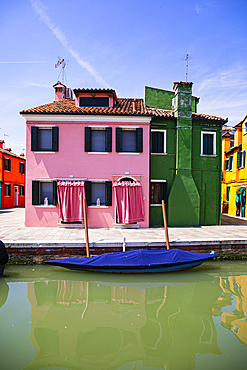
124, 45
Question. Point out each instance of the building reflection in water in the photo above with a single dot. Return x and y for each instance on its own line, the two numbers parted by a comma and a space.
234, 290
83, 325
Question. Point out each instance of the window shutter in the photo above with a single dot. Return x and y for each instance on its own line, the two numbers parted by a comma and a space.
230, 162
54, 193
226, 164
108, 195
164, 192
35, 193
210, 144
108, 139
118, 139
243, 159
20, 167
55, 138
154, 141
139, 140
34, 138
160, 142
239, 159
87, 139
88, 192
9, 165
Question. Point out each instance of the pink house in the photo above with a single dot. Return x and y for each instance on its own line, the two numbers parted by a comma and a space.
96, 146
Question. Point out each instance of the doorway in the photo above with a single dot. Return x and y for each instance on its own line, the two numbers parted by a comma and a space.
16, 196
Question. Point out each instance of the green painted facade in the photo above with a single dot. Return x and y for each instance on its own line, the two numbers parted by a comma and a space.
193, 178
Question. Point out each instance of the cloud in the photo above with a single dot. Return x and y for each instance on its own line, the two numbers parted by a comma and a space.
25, 62
198, 9
224, 93
39, 9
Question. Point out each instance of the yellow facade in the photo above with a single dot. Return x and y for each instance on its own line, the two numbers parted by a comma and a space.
234, 170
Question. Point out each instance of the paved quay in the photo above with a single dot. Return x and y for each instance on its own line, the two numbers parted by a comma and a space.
231, 235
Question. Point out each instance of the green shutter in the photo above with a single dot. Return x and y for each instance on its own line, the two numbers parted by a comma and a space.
108, 195
34, 138
160, 142
239, 159
88, 192
118, 139
87, 139
243, 159
139, 140
230, 162
55, 138
108, 139
164, 192
54, 193
154, 142
210, 144
35, 193
226, 164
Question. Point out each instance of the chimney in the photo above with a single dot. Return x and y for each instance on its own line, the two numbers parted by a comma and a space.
1, 144
8, 149
182, 103
60, 91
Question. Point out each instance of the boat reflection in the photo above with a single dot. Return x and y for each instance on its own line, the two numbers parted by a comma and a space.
99, 324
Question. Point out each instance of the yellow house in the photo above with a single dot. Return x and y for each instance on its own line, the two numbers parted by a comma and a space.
234, 171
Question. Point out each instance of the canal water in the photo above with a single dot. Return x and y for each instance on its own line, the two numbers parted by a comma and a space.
53, 318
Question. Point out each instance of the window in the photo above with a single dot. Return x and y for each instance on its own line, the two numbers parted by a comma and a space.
44, 139
228, 192
226, 164
208, 143
7, 164
230, 163
158, 141
22, 190
129, 140
7, 190
241, 159
93, 102
42, 190
98, 139
158, 191
22, 168
98, 193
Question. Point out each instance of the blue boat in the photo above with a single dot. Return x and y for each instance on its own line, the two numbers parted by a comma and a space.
136, 261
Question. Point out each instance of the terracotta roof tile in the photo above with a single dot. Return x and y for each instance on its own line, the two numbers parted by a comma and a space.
124, 106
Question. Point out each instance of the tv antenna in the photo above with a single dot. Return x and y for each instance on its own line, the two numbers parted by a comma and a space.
61, 62
187, 58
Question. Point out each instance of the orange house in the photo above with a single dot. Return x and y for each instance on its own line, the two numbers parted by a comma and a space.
12, 178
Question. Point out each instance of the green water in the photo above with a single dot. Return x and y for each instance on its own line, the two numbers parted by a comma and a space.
53, 318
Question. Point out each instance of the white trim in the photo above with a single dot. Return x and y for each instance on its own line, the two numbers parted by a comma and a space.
51, 152
130, 177
129, 127
98, 127
128, 153
45, 127
98, 207
158, 180
97, 152
45, 180
59, 118
43, 206
164, 131
214, 143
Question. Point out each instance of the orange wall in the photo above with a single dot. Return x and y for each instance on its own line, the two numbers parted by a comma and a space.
14, 178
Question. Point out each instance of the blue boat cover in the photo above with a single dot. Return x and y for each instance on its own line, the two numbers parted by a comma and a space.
139, 257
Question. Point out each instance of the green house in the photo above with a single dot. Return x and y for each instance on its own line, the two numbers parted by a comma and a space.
185, 164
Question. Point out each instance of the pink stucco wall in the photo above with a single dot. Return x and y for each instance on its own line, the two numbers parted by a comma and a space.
71, 159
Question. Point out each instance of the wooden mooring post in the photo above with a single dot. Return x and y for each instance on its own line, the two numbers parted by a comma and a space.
165, 224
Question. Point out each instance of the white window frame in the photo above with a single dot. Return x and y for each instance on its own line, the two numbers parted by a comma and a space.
22, 187
164, 131
9, 187
156, 204
214, 143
